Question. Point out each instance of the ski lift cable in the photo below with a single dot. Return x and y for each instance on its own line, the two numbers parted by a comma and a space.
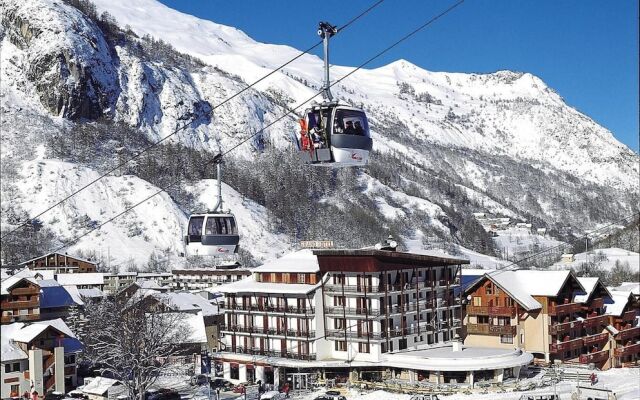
218, 157
186, 125
368, 61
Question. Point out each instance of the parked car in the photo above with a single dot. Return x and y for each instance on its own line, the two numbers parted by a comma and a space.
162, 394
334, 395
272, 395
239, 389
221, 383
199, 380
54, 396
77, 394
424, 397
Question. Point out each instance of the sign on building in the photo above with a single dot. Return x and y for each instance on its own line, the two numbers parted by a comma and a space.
316, 244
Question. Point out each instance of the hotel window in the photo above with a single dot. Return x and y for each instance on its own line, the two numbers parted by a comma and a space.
338, 279
363, 347
508, 339
338, 301
341, 345
339, 323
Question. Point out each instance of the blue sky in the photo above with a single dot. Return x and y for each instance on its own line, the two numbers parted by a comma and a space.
586, 50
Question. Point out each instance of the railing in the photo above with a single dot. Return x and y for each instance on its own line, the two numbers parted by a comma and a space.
361, 289
485, 329
564, 327
589, 340
564, 308
49, 361
629, 315
275, 353
268, 331
628, 350
12, 318
12, 305
256, 308
23, 291
495, 311
568, 345
596, 303
424, 327
49, 383
361, 312
628, 333
594, 357
595, 321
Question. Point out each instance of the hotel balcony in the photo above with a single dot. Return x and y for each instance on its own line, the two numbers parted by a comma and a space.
558, 329
275, 353
629, 333
598, 320
493, 311
361, 289
486, 329
352, 311
258, 330
561, 309
594, 339
627, 350
568, 345
595, 357
254, 308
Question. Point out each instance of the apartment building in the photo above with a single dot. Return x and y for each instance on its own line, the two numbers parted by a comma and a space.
328, 307
552, 314
624, 326
39, 356
60, 263
204, 278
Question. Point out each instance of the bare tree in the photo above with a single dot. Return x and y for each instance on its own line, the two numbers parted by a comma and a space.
131, 341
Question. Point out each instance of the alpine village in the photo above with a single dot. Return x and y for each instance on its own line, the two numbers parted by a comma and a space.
190, 213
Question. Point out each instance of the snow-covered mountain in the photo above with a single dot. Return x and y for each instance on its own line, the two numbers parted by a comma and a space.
446, 143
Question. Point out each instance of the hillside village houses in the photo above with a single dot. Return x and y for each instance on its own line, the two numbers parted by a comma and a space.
389, 314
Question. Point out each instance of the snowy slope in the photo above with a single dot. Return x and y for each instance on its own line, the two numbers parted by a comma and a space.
508, 142
605, 258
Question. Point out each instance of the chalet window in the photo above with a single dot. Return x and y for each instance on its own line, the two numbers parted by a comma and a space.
489, 288
286, 277
508, 339
301, 278
340, 345
363, 347
477, 301
509, 302
13, 367
483, 319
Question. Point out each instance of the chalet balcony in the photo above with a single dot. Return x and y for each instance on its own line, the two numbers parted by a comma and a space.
596, 303
568, 345
629, 316
20, 304
25, 291
6, 319
561, 309
594, 339
486, 329
599, 320
558, 329
493, 311
629, 333
595, 357
627, 351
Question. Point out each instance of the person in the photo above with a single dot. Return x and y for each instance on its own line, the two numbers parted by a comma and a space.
593, 378
218, 393
316, 138
349, 130
286, 390
358, 128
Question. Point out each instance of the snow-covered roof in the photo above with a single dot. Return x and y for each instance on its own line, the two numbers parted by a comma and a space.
12, 281
300, 261
193, 322
60, 254
25, 333
44, 274
10, 351
589, 284
74, 292
149, 284
85, 278
184, 302
4, 273
475, 271
90, 293
633, 287
249, 285
154, 274
619, 299
54, 295
99, 385
522, 285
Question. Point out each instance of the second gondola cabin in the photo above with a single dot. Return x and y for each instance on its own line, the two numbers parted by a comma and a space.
334, 135
212, 234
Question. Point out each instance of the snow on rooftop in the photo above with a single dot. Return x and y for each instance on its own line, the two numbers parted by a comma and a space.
299, 261
184, 302
11, 281
88, 278
25, 333
589, 284
249, 285
92, 292
509, 282
633, 287
10, 351
619, 300
99, 385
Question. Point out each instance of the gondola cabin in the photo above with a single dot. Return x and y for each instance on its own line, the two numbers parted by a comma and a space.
334, 135
212, 235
